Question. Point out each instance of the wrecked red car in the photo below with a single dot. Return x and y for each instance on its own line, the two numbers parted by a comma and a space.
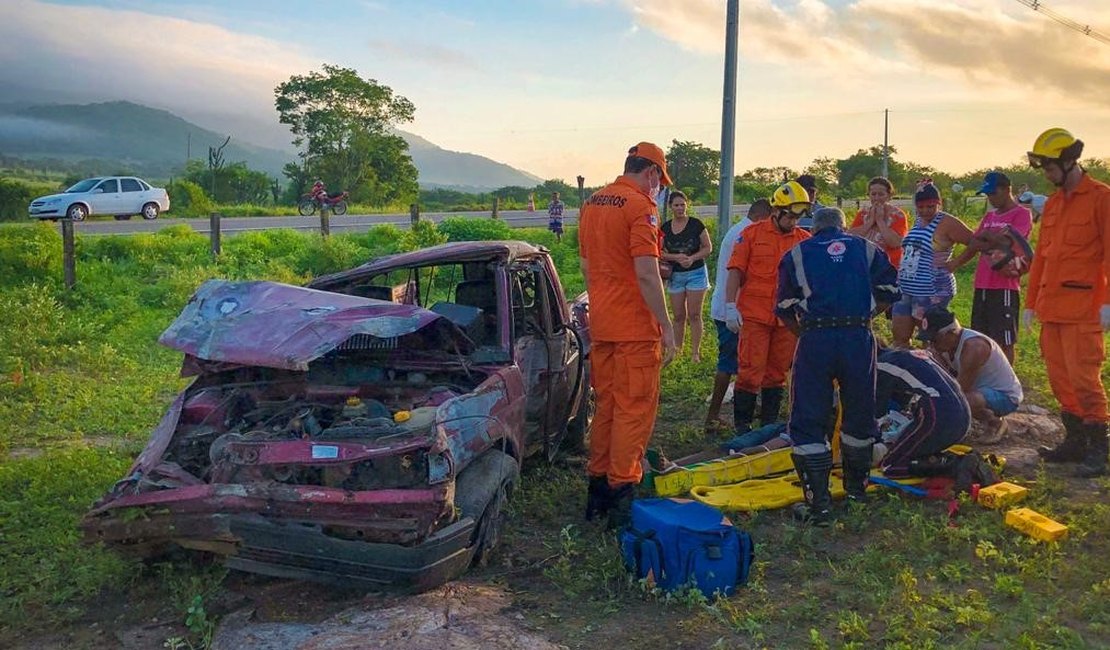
366, 429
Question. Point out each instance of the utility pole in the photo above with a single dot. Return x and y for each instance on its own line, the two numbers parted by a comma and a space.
886, 140
728, 117
188, 147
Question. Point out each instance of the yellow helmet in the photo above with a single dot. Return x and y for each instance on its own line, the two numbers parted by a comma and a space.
1055, 144
788, 194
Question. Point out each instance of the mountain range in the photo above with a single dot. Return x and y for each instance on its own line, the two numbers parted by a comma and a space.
156, 143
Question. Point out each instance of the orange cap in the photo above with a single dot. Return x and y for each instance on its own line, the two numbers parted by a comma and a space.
653, 153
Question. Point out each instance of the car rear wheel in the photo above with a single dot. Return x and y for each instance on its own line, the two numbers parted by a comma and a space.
150, 211
481, 492
77, 212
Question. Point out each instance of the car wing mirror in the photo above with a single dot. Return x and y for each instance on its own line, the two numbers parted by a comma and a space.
98, 190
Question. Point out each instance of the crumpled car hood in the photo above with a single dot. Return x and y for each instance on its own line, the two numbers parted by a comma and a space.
286, 327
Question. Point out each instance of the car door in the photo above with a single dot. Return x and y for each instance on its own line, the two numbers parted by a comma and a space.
132, 196
563, 360
105, 198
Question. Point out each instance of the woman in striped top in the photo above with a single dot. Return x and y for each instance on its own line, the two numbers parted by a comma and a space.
926, 249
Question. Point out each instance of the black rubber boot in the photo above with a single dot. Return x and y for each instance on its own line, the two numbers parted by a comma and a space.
814, 473
743, 410
857, 467
770, 401
1074, 447
1098, 448
597, 497
620, 506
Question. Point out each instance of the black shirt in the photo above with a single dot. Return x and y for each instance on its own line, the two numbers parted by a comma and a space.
686, 242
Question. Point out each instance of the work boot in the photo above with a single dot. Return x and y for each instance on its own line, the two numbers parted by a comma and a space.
1074, 447
743, 410
1098, 448
857, 467
620, 506
814, 472
597, 497
770, 401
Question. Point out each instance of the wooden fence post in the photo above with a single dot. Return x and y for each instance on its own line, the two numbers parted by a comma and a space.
496, 206
325, 220
581, 191
69, 259
214, 233
414, 213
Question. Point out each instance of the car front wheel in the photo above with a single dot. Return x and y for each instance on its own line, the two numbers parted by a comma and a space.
150, 211
77, 212
482, 491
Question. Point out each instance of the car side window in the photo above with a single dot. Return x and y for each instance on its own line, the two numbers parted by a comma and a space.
130, 185
110, 186
146, 188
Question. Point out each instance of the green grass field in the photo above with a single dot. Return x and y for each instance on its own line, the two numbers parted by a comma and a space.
83, 382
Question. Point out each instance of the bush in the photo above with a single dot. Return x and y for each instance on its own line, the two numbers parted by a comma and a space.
422, 235
187, 199
16, 195
30, 254
474, 229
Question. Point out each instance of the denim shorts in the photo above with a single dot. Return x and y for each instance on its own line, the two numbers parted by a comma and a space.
727, 344
916, 306
693, 280
999, 403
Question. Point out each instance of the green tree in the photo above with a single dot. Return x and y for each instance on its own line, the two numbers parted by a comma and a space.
567, 194
341, 123
695, 169
234, 183
825, 171
769, 175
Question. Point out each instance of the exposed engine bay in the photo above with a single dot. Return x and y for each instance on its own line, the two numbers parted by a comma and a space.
229, 426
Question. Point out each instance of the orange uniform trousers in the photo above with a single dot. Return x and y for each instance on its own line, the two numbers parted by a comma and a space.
1073, 355
765, 354
625, 378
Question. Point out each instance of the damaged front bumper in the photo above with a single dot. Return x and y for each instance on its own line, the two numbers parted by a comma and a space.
368, 540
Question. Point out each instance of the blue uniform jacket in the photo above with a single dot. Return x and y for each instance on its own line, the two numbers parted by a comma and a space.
815, 278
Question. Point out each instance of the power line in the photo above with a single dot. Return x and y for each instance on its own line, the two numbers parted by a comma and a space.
1036, 5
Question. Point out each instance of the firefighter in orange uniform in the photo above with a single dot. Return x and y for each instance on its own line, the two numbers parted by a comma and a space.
766, 347
631, 334
1068, 293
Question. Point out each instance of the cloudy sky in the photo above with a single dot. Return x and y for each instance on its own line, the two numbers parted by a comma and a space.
562, 87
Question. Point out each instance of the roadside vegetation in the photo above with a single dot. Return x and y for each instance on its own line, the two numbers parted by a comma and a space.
83, 382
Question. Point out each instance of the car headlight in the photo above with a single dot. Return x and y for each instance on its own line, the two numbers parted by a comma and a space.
51, 201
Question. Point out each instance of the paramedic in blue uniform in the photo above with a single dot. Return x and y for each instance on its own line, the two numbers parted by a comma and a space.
830, 286
912, 383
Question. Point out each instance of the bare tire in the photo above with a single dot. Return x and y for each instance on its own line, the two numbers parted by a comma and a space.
77, 212
150, 211
306, 208
339, 209
481, 492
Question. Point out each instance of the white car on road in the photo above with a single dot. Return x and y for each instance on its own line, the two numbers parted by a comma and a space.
119, 196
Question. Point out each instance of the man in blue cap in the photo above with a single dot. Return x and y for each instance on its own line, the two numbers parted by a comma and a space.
830, 286
996, 306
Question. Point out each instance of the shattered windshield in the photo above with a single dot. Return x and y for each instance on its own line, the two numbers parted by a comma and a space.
464, 293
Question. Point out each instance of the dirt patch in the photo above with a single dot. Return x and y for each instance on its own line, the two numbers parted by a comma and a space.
461, 615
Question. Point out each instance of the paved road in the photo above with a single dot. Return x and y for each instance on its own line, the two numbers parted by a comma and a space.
233, 225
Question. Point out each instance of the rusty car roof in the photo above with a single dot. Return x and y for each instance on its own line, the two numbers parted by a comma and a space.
466, 251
